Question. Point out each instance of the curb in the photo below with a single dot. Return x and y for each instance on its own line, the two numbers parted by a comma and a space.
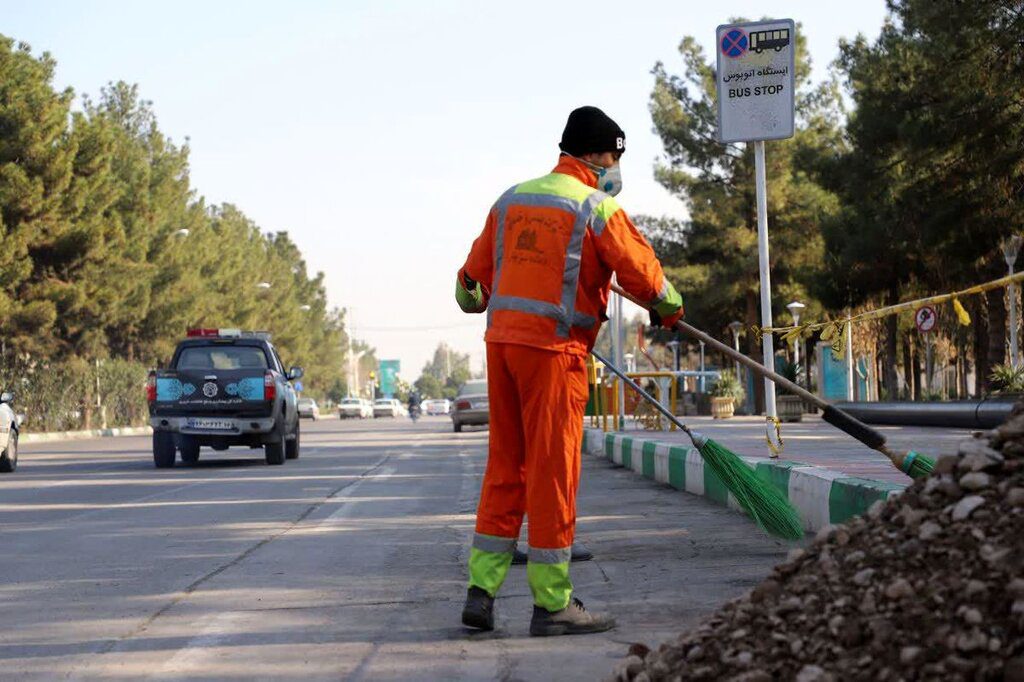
52, 436
822, 496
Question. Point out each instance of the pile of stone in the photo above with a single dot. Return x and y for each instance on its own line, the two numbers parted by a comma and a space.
929, 585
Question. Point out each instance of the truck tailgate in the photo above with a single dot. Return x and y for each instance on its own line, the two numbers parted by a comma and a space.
221, 392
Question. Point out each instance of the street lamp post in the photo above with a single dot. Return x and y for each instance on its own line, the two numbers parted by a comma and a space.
1011, 247
736, 327
701, 366
795, 308
674, 345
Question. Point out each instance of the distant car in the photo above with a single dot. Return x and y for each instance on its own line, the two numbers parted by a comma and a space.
358, 408
387, 407
10, 425
471, 405
308, 409
437, 406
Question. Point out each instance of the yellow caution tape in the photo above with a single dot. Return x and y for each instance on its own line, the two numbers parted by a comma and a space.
835, 330
962, 315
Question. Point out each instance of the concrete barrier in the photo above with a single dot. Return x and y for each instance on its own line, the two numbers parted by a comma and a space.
822, 496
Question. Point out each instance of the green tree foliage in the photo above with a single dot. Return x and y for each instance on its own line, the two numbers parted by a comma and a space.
106, 251
935, 170
444, 374
37, 154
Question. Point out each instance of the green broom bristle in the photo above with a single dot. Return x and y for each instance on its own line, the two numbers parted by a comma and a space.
762, 501
917, 465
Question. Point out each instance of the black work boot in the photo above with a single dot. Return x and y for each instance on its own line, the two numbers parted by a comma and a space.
574, 619
479, 609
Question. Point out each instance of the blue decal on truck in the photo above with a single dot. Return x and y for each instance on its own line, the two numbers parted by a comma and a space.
251, 388
168, 389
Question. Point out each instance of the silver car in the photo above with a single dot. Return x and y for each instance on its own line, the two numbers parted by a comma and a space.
471, 407
308, 409
10, 425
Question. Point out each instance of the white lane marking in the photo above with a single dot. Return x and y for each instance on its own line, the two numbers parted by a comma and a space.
217, 629
386, 471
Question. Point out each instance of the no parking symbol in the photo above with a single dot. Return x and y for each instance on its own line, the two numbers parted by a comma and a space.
734, 43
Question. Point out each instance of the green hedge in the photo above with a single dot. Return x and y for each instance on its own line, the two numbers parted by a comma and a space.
62, 396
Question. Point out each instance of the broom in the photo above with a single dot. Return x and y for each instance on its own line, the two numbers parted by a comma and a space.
763, 502
912, 463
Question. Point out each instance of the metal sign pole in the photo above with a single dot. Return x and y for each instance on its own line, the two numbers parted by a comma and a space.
849, 360
767, 341
617, 353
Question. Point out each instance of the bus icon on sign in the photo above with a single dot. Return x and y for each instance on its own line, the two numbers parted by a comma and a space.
769, 40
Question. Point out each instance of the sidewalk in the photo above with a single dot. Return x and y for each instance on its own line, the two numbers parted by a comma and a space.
825, 474
815, 442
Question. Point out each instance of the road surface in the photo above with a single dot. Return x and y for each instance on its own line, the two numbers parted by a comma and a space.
348, 563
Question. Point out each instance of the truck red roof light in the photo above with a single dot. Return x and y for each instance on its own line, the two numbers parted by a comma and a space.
225, 333
151, 387
269, 386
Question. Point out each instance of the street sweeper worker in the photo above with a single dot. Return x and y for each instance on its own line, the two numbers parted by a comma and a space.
541, 269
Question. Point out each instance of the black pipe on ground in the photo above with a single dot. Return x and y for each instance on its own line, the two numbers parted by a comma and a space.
967, 414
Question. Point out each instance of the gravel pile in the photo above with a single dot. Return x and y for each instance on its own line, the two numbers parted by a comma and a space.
929, 585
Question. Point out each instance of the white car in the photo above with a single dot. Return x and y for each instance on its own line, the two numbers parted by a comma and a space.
10, 425
437, 406
387, 407
357, 408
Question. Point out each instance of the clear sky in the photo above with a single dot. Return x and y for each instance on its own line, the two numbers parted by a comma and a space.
378, 134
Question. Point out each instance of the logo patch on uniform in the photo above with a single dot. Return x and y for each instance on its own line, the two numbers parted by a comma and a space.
210, 389
527, 241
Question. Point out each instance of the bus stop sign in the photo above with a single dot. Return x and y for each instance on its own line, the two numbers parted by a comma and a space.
756, 80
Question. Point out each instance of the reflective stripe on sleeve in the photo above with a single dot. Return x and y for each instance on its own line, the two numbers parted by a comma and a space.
603, 213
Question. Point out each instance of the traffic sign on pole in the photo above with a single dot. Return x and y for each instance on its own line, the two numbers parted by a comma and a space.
756, 80
925, 319
755, 84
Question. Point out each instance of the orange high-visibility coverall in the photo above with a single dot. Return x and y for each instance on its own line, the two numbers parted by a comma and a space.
544, 263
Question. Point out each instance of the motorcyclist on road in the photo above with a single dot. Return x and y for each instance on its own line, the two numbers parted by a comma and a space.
414, 405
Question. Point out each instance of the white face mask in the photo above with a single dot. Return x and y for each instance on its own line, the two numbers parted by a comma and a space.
609, 180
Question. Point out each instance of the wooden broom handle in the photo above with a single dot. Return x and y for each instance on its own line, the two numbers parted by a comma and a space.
751, 364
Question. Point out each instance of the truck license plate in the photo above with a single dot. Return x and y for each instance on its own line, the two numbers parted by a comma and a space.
211, 424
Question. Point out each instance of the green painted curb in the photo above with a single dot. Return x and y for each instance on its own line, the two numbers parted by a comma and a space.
822, 496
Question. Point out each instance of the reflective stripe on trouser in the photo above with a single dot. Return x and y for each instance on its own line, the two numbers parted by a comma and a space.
537, 399
489, 559
549, 584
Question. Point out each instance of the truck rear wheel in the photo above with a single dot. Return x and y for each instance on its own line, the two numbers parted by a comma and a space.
274, 452
291, 447
163, 449
189, 450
